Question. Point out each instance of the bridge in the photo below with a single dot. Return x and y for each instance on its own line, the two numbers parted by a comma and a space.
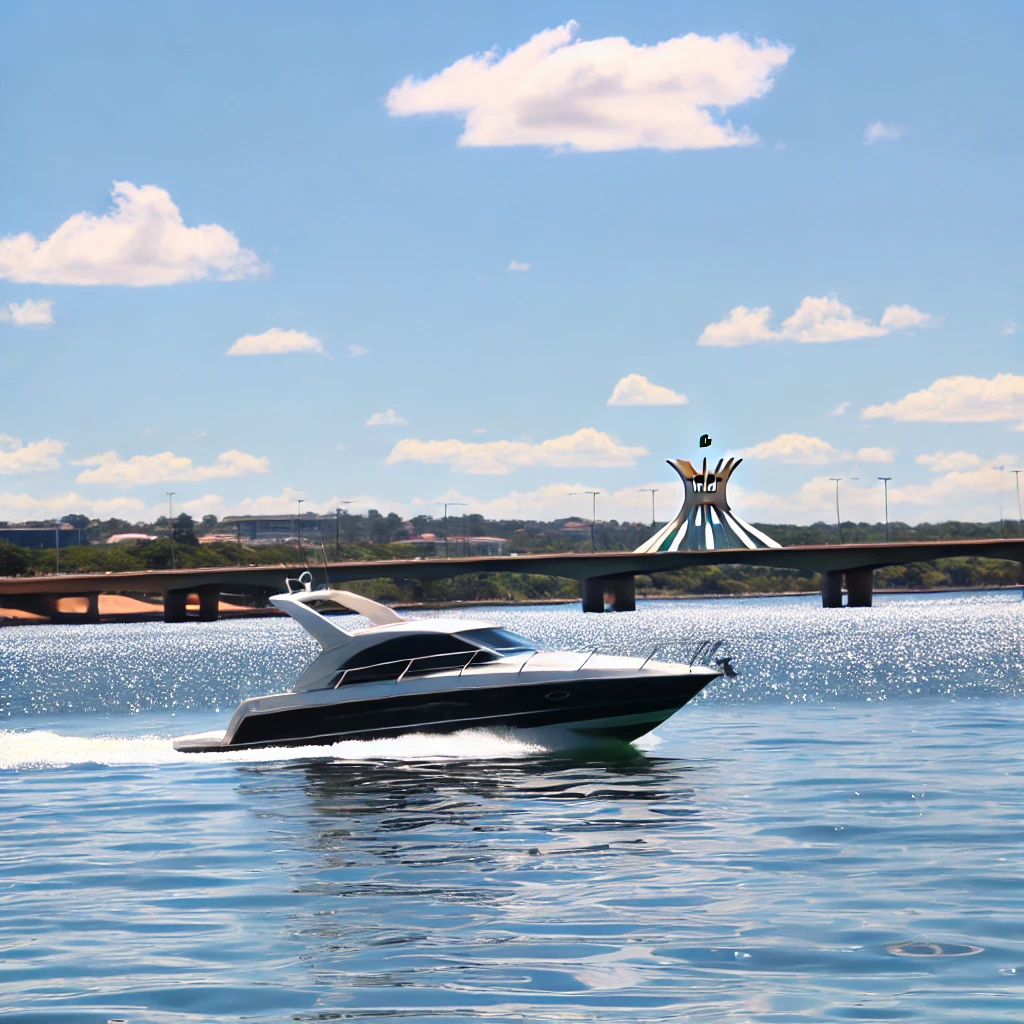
607, 580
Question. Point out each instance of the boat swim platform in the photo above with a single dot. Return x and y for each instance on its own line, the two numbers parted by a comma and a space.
607, 580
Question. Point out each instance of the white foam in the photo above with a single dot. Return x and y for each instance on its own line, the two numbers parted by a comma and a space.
42, 748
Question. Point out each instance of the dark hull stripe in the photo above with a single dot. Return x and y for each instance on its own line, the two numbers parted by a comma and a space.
516, 706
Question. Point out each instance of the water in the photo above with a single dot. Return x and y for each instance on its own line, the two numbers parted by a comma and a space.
837, 835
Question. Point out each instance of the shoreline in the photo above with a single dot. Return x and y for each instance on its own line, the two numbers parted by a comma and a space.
14, 617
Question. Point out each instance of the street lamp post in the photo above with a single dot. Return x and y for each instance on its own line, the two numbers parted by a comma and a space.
1001, 530
1016, 477
593, 520
446, 506
839, 522
298, 524
653, 491
885, 485
170, 522
56, 546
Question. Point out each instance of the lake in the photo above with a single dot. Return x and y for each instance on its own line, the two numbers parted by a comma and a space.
835, 835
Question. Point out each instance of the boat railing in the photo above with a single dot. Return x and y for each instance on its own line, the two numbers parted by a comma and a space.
426, 663
600, 649
698, 652
701, 652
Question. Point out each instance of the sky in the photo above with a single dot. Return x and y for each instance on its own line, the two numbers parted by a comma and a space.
397, 254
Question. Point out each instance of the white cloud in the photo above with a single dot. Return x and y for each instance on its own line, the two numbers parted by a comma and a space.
557, 501
34, 457
877, 131
275, 342
284, 503
958, 400
586, 447
811, 451
962, 488
165, 467
822, 319
943, 462
875, 454
358, 350
815, 501
551, 501
516, 265
840, 409
142, 241
548, 502
18, 507
742, 326
827, 319
798, 448
1010, 327
635, 389
898, 317
959, 482
600, 95
390, 418
30, 313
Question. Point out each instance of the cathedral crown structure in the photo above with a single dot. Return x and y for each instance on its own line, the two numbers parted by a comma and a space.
706, 521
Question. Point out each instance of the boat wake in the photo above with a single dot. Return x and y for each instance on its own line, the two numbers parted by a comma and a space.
42, 748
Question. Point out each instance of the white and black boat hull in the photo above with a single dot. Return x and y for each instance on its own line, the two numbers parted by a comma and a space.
620, 707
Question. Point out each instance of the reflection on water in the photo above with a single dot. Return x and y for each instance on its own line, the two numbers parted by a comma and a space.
755, 860
788, 650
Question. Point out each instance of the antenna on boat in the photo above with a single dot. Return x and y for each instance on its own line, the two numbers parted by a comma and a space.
327, 574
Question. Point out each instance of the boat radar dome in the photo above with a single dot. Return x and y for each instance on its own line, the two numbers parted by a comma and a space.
706, 521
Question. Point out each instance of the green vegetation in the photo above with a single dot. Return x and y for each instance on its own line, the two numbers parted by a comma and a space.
375, 537
14, 561
188, 552
955, 573
499, 586
874, 533
156, 554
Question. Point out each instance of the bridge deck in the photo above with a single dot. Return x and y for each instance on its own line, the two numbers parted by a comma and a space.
823, 558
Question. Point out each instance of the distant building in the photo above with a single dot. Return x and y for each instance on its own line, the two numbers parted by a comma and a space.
255, 530
429, 544
575, 526
43, 537
130, 538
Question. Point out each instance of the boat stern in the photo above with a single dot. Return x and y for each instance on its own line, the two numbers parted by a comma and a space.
201, 742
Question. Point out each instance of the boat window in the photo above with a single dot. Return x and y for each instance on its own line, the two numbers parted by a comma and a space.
388, 659
502, 641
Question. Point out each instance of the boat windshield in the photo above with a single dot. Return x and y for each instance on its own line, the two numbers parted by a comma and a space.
501, 641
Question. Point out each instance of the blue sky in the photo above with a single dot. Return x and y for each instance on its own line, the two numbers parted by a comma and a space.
629, 196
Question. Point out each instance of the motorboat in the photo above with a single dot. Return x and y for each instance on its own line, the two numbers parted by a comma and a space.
445, 675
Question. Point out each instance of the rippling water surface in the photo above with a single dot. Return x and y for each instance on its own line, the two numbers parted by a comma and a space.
836, 835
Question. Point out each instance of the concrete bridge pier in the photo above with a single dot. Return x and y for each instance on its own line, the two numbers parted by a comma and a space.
609, 593
176, 603
860, 585
832, 590
209, 602
174, 606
